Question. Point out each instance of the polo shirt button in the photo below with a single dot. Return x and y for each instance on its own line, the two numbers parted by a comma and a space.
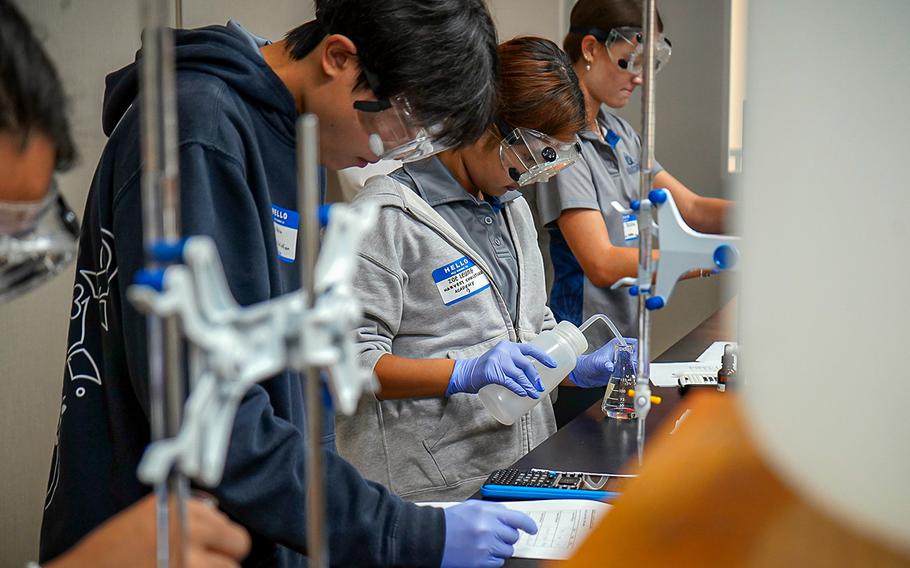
488, 220
497, 241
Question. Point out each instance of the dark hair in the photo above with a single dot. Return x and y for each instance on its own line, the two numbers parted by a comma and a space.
603, 15
441, 54
538, 88
31, 96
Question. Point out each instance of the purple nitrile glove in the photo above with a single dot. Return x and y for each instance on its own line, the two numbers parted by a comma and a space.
594, 369
481, 534
507, 364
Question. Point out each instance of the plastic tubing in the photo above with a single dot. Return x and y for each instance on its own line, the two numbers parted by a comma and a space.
606, 320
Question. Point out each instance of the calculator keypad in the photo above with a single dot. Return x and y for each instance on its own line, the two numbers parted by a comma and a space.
535, 478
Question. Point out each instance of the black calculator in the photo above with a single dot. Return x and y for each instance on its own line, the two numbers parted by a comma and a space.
549, 484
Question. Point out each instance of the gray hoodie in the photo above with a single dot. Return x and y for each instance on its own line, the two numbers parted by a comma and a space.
437, 448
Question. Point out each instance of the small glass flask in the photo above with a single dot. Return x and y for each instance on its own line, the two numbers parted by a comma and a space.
617, 402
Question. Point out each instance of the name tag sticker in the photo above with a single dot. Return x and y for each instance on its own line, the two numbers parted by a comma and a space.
287, 223
459, 280
630, 227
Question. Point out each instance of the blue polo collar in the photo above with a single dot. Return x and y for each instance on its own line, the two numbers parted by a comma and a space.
611, 138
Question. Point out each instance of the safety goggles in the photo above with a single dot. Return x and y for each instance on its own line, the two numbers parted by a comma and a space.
530, 156
395, 132
37, 239
625, 48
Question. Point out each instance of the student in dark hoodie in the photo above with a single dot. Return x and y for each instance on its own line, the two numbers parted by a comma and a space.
238, 99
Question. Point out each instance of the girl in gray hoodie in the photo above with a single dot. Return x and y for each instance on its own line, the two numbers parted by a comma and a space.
453, 288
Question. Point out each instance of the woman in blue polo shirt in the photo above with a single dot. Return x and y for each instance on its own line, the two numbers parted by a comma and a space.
589, 247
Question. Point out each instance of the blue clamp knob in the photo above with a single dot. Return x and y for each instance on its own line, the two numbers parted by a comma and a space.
655, 303
633, 291
168, 251
725, 257
151, 278
635, 205
657, 196
324, 215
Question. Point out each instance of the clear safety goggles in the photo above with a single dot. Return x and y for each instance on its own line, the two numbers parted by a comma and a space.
37, 239
625, 48
395, 133
530, 156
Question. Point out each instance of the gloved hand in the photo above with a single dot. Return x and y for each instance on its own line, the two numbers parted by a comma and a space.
506, 365
594, 369
481, 533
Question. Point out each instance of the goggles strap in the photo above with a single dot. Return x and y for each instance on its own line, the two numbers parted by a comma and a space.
383, 103
505, 129
373, 106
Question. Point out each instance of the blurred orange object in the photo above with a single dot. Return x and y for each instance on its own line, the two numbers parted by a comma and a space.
706, 498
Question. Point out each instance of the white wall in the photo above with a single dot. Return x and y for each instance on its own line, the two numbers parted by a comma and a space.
543, 18
270, 19
86, 39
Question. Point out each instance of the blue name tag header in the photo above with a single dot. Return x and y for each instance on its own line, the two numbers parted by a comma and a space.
459, 280
285, 217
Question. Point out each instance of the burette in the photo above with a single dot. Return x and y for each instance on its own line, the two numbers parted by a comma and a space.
645, 226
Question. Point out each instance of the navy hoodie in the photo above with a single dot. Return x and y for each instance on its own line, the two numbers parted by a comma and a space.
237, 161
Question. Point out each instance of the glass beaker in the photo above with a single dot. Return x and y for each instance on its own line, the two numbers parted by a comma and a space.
617, 402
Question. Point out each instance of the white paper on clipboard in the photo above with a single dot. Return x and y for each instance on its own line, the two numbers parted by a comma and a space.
562, 525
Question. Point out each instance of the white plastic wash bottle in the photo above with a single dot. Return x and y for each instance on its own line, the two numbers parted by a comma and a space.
564, 343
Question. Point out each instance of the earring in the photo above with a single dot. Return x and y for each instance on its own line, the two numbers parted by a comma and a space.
587, 64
